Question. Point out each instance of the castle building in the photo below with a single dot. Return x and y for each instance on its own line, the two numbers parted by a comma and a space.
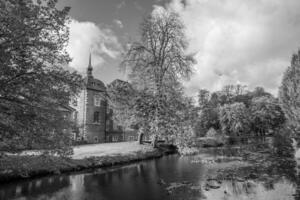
92, 113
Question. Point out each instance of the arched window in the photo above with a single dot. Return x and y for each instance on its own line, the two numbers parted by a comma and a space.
96, 117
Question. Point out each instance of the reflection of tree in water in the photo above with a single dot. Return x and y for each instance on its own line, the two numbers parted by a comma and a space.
239, 188
270, 164
46, 187
287, 164
283, 158
269, 185
129, 182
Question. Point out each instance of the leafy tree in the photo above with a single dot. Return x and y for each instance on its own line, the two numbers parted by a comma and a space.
208, 118
238, 93
214, 99
264, 110
203, 98
243, 98
34, 85
266, 114
183, 120
259, 92
289, 92
122, 99
136, 108
234, 119
229, 92
156, 63
208, 113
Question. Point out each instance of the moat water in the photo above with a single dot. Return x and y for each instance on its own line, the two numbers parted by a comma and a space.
273, 176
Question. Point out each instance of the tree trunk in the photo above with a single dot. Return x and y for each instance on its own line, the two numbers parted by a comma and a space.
141, 137
154, 141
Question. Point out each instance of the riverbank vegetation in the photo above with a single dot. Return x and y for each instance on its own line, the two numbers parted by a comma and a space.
84, 158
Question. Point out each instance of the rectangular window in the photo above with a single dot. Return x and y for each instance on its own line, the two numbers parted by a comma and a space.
75, 114
97, 100
74, 136
114, 138
74, 102
96, 117
131, 138
119, 128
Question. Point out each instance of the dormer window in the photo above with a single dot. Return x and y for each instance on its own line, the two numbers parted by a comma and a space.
97, 100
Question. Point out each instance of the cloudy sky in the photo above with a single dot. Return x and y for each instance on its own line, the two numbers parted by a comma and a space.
234, 41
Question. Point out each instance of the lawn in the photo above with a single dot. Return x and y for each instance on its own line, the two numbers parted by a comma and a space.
109, 149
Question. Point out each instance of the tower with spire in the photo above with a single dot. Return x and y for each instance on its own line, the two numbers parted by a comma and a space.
93, 115
91, 108
90, 68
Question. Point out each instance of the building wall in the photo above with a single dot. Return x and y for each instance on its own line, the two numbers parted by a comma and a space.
103, 130
109, 120
95, 131
130, 135
116, 136
79, 105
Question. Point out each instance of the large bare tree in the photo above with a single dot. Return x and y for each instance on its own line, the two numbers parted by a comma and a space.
158, 60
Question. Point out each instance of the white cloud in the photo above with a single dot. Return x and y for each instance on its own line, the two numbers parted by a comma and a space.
118, 23
236, 41
86, 37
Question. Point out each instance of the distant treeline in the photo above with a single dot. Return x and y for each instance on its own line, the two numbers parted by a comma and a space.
236, 111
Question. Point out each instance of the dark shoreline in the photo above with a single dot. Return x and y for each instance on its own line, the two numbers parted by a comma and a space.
15, 168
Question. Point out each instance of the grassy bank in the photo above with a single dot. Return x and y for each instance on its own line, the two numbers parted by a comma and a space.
28, 165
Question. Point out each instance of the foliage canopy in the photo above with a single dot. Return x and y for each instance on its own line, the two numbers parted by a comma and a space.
156, 64
35, 87
289, 92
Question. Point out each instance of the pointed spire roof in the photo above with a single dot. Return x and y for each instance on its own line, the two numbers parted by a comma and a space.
90, 68
90, 60
91, 82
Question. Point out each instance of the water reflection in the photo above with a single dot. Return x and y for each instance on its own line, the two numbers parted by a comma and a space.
240, 191
273, 175
41, 188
